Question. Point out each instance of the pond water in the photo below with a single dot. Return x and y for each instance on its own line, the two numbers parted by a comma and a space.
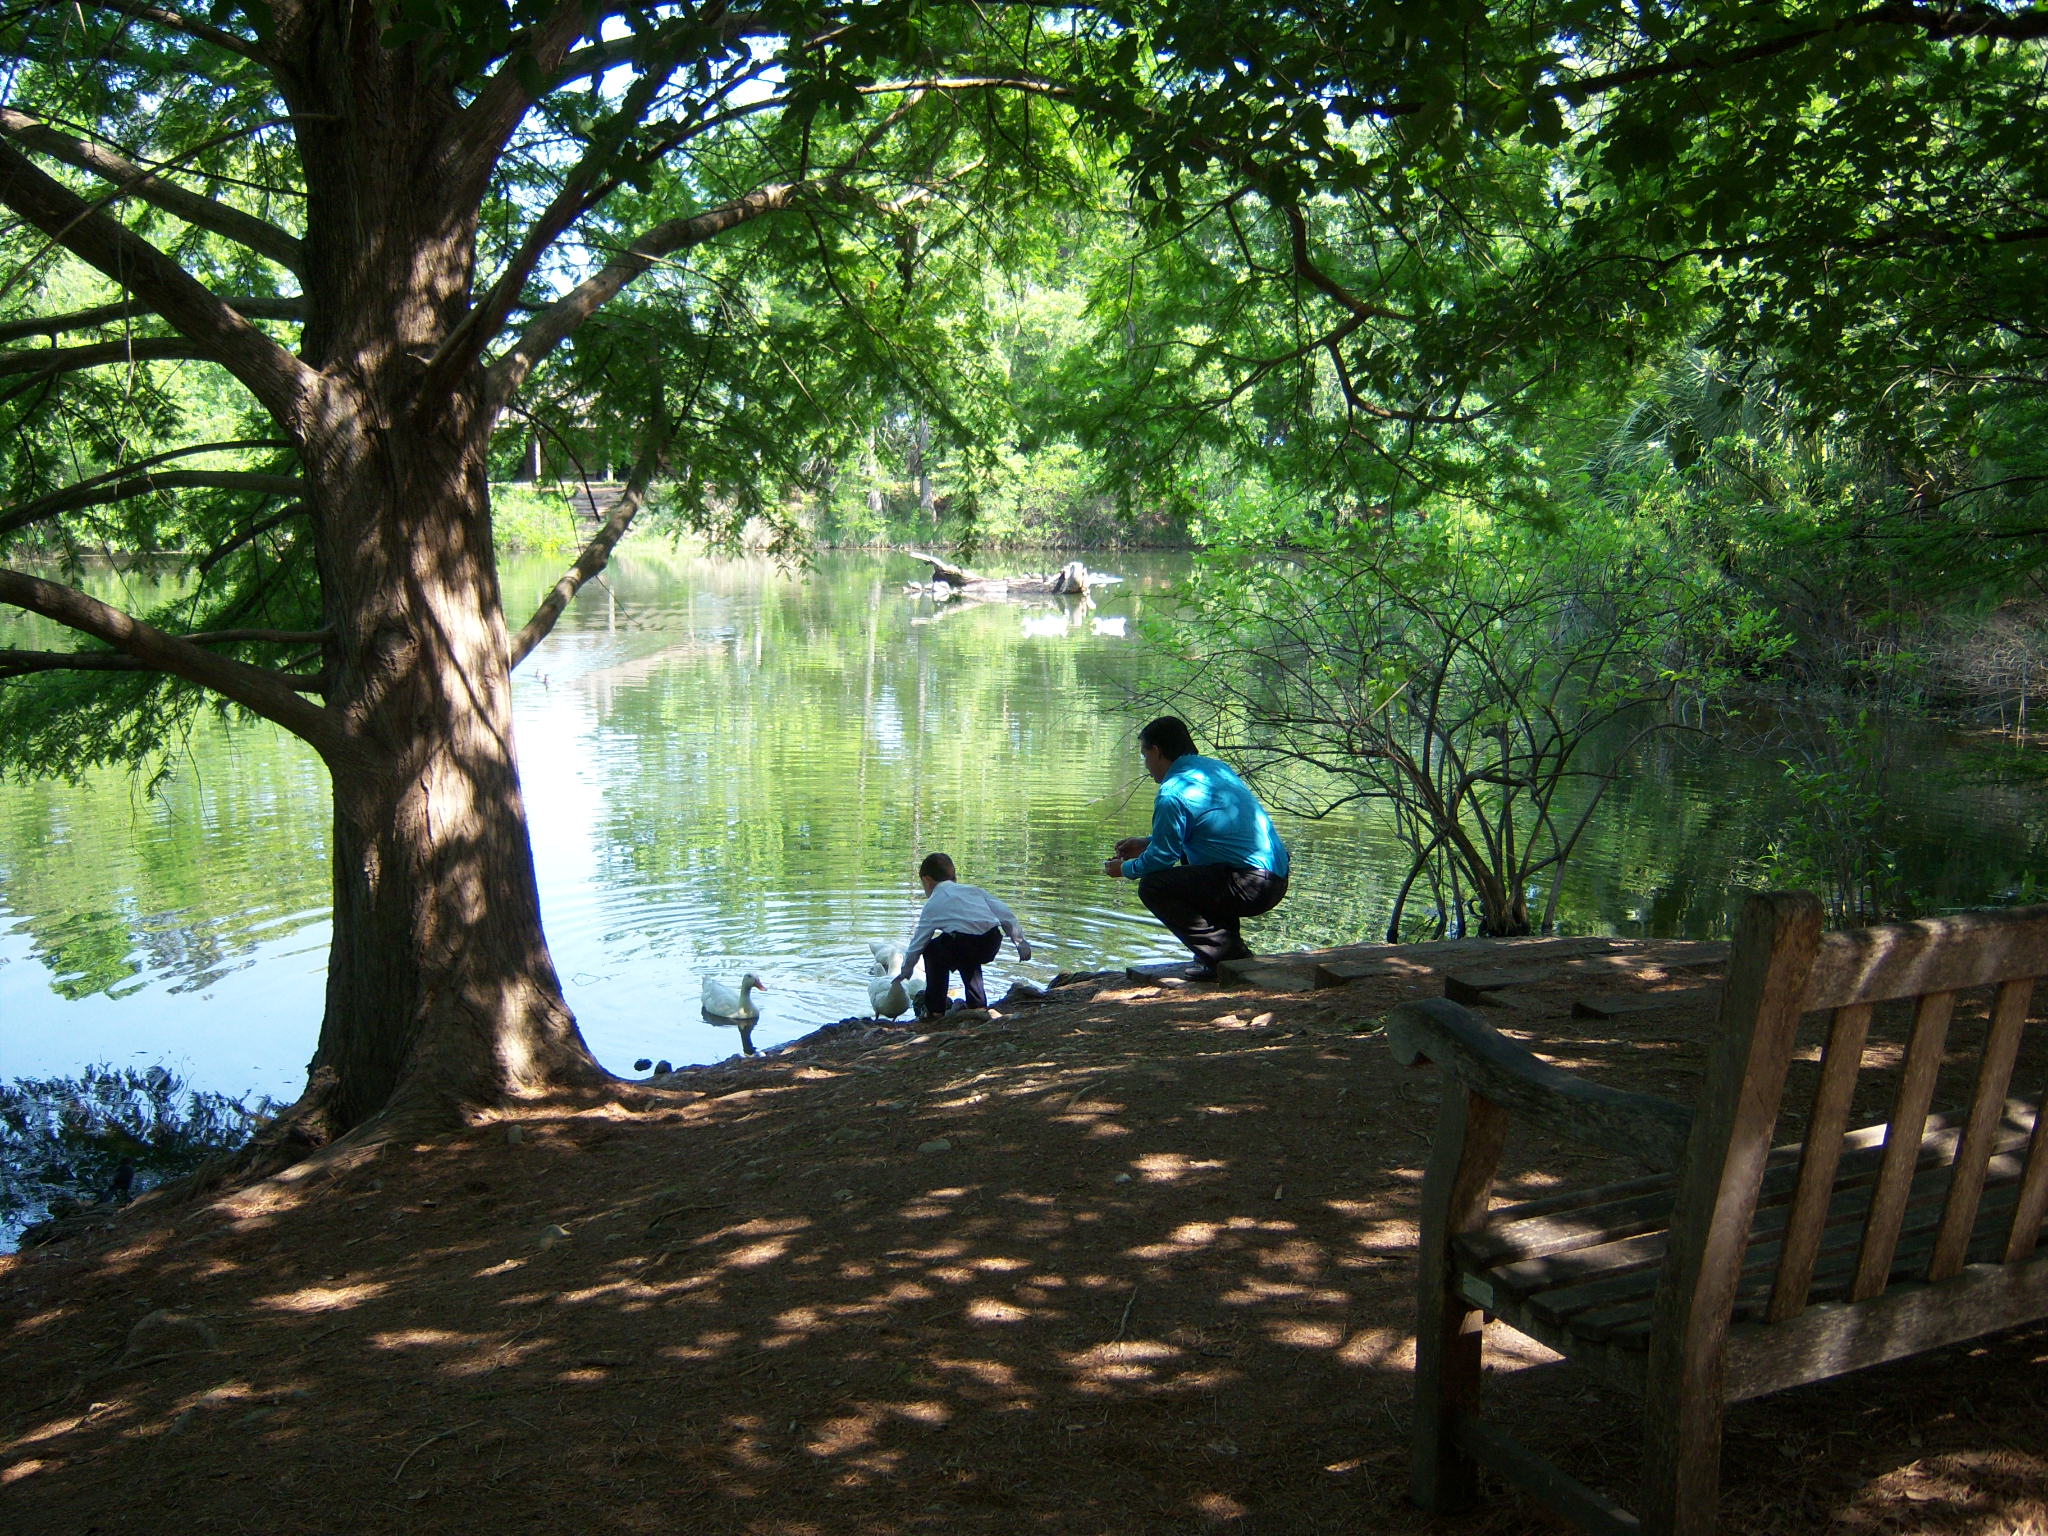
730, 768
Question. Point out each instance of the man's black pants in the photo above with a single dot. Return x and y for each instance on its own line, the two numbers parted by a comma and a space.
1202, 903
966, 953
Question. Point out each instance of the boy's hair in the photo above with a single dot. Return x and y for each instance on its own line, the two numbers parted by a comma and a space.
1169, 733
937, 866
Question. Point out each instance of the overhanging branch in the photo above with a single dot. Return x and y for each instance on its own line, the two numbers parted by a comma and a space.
598, 552
272, 374
29, 663
250, 307
273, 695
132, 180
126, 483
172, 21
1944, 23
99, 354
555, 324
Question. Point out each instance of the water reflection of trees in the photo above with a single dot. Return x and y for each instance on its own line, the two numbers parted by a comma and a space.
113, 888
866, 739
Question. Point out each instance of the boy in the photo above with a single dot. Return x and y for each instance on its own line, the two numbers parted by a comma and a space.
960, 929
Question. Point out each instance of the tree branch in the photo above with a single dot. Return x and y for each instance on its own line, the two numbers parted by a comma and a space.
607, 54
102, 490
175, 22
579, 192
488, 121
248, 535
97, 354
250, 308
1946, 23
272, 374
559, 320
598, 551
130, 179
273, 695
17, 663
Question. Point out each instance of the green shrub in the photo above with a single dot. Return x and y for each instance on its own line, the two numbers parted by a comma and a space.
65, 1138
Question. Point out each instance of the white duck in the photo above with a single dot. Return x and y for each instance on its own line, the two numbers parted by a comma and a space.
722, 1000
888, 996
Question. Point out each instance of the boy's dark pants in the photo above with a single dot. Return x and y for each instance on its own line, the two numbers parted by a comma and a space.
1202, 903
966, 953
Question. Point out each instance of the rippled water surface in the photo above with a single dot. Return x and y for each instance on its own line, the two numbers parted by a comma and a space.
732, 769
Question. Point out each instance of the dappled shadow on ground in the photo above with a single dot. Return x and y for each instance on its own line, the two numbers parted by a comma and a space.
1128, 1261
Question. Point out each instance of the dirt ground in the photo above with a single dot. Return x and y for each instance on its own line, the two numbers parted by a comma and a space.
1133, 1259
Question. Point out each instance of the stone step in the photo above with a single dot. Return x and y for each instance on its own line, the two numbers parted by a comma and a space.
1476, 987
1613, 1005
1163, 973
1272, 975
1341, 973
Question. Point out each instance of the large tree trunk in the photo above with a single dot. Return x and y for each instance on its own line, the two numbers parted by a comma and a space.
441, 996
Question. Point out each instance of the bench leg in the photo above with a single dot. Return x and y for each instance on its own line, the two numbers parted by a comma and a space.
1448, 1362
1681, 1493
1449, 1331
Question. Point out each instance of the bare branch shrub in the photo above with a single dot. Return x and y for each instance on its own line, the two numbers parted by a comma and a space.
1487, 685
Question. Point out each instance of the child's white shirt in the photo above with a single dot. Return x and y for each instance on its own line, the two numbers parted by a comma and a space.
956, 908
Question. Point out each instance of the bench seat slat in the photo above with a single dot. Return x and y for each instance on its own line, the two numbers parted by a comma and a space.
1597, 1291
1524, 1231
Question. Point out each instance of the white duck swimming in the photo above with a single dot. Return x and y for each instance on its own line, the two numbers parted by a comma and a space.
722, 1000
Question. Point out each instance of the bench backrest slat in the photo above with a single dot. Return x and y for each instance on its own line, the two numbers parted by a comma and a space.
1987, 1110
1908, 1124
2025, 1234
1841, 1059
1935, 954
1926, 963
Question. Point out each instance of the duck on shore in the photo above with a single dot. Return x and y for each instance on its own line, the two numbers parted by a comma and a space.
888, 997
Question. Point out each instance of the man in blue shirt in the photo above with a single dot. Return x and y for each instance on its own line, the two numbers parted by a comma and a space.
1213, 856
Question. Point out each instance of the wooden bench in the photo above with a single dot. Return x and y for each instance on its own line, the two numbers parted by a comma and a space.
1745, 1268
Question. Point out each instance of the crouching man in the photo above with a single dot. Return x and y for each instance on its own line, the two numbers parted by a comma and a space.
1213, 856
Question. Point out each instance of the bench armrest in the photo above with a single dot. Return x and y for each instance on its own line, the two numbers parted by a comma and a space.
1640, 1125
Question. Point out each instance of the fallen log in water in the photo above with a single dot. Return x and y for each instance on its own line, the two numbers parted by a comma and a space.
949, 581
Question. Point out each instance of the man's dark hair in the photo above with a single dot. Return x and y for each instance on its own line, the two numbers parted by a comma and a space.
1169, 733
937, 866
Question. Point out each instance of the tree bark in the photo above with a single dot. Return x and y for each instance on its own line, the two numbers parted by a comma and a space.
441, 995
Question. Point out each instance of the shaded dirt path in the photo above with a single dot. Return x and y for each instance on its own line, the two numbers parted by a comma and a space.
1130, 1260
